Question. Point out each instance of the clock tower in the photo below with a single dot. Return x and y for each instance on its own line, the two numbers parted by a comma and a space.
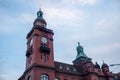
39, 54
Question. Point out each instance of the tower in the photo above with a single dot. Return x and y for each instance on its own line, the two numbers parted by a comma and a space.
39, 54
40, 43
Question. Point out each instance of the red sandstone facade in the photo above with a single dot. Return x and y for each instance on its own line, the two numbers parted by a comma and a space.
40, 64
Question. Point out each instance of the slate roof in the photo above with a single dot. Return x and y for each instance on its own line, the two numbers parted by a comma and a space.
67, 68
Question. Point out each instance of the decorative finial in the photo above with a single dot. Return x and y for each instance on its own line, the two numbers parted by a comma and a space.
40, 7
39, 13
96, 63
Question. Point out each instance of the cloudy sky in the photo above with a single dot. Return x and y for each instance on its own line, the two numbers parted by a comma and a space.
93, 23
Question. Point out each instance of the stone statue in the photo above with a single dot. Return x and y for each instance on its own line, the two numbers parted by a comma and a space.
79, 48
80, 51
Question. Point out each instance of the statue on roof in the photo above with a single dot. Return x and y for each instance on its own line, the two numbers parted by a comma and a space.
79, 48
80, 51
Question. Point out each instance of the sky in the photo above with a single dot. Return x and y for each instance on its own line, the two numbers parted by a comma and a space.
93, 23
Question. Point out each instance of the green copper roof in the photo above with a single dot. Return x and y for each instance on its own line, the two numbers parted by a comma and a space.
80, 51
97, 65
40, 17
39, 13
104, 65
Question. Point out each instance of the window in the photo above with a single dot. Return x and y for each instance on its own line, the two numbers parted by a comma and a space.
44, 77
29, 59
57, 79
48, 58
68, 68
41, 56
29, 78
31, 42
45, 58
60, 67
74, 69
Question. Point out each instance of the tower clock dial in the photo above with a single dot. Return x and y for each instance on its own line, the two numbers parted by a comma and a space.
44, 40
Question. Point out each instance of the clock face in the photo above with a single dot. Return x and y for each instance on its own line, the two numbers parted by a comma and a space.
44, 40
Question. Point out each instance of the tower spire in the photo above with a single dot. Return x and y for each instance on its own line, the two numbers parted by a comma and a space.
40, 20
39, 13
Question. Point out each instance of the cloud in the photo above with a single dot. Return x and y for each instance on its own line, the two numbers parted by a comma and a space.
80, 2
9, 75
106, 27
62, 14
105, 48
107, 23
90, 2
26, 18
58, 17
61, 3
10, 23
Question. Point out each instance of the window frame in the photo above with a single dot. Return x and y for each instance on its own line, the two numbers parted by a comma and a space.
44, 77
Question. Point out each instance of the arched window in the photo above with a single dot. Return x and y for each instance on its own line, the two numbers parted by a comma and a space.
57, 79
44, 77
29, 78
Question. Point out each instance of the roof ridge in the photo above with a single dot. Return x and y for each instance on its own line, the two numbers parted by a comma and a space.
63, 63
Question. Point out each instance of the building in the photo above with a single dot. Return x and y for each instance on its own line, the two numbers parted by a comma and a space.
40, 64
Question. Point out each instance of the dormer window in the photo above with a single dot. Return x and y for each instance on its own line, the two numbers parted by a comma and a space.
60, 67
68, 68
74, 69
